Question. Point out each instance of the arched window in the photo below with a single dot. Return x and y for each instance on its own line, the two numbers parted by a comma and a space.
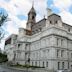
32, 17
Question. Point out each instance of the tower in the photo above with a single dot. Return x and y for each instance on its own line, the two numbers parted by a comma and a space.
31, 18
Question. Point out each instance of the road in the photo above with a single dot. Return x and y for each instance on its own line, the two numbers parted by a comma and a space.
5, 69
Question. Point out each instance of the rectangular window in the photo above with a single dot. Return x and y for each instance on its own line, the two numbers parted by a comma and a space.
57, 53
62, 65
71, 66
62, 53
35, 63
32, 63
43, 64
71, 55
62, 42
18, 45
46, 64
57, 41
58, 65
68, 65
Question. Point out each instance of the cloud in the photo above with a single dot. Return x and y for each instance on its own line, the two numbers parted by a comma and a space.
15, 8
63, 7
21, 7
66, 17
62, 4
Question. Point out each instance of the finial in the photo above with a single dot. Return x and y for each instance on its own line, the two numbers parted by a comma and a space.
49, 12
33, 3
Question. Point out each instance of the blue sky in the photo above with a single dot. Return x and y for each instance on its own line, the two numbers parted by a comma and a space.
17, 11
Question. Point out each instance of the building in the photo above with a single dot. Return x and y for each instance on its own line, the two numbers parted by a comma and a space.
47, 43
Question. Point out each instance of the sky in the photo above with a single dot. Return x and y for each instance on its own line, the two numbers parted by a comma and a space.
17, 11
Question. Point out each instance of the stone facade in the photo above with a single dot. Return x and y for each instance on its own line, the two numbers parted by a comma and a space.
49, 45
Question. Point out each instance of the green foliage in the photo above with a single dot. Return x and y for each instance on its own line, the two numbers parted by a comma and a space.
2, 18
3, 58
26, 66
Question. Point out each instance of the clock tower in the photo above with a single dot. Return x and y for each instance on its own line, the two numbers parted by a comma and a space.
31, 19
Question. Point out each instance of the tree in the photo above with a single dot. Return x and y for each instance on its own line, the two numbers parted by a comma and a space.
3, 57
3, 18
0, 50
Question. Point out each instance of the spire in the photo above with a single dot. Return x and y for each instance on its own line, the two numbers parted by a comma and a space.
31, 17
32, 9
33, 3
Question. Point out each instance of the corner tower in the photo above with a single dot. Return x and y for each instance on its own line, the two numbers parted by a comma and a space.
31, 18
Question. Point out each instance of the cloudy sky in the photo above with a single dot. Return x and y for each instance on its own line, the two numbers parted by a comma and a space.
17, 11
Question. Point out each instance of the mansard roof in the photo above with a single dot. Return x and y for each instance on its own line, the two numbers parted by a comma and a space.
53, 14
42, 20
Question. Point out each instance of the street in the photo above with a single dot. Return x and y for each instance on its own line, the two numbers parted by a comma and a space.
5, 69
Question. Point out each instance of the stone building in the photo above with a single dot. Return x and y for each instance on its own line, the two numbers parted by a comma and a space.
47, 43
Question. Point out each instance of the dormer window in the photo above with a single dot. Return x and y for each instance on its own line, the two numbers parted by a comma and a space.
50, 22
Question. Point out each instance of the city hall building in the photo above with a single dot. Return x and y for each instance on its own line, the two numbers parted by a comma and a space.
46, 43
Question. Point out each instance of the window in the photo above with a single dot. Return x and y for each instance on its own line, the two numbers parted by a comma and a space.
46, 64
56, 22
71, 66
61, 42
50, 22
48, 50
40, 29
62, 53
18, 45
69, 29
57, 41
71, 55
32, 63
57, 53
62, 65
68, 65
35, 63
58, 65
36, 31
43, 64
32, 17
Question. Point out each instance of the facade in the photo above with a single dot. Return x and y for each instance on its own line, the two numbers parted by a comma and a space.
47, 43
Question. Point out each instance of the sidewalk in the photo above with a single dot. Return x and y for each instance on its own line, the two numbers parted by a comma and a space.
24, 69
15, 68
